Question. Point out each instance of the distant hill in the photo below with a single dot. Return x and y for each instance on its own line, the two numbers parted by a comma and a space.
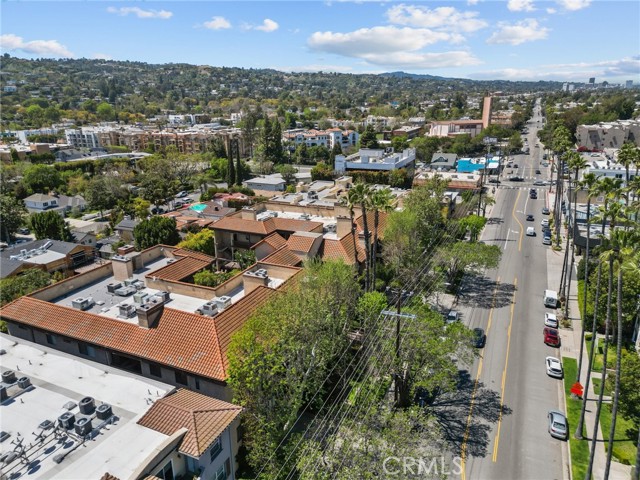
414, 76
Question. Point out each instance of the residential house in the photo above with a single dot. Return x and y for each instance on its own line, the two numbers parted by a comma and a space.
125, 228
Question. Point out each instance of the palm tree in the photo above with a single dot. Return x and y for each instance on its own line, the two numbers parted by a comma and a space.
362, 193
350, 201
628, 155
623, 242
588, 181
608, 188
577, 163
381, 201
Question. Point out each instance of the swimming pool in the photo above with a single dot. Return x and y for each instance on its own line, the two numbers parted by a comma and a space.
198, 207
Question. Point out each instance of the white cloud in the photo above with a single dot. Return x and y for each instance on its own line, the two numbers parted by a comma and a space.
140, 13
392, 47
51, 48
525, 31
472, 2
268, 26
217, 23
520, 5
440, 18
577, 72
101, 56
551, 10
573, 5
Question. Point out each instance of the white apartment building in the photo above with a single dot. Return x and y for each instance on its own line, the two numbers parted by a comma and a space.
375, 159
608, 134
327, 138
85, 137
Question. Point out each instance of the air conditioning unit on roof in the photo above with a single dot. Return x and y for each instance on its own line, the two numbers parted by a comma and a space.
222, 302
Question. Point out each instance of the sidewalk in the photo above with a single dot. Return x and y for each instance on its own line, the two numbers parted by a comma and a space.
570, 341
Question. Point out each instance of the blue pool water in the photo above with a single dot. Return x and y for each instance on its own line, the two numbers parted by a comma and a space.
198, 207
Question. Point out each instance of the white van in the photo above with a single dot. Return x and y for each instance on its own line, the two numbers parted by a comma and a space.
550, 298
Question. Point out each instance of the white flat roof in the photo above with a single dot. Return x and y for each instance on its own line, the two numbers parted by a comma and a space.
118, 446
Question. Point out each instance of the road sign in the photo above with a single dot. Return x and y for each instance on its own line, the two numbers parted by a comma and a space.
577, 389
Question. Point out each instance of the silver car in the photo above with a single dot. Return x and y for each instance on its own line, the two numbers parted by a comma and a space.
554, 367
557, 424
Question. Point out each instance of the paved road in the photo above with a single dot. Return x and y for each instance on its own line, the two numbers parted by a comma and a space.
505, 431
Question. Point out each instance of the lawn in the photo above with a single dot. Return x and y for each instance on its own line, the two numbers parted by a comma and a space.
579, 448
611, 355
624, 449
596, 387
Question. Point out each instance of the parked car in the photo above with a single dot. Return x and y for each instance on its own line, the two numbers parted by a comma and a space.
546, 240
157, 210
550, 320
554, 367
558, 427
24, 231
530, 218
544, 222
186, 200
453, 316
545, 211
479, 337
551, 337
181, 194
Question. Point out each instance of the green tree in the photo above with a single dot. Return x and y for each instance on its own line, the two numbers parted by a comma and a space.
402, 252
28, 281
207, 278
154, 231
288, 173
156, 187
244, 258
12, 216
463, 257
399, 143
141, 208
202, 241
474, 225
368, 139
50, 225
381, 201
321, 171
41, 178
103, 192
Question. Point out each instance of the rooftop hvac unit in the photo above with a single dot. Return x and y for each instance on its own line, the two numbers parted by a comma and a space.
141, 297
83, 426
125, 291
139, 284
210, 309
112, 287
164, 296
87, 405
24, 382
104, 411
261, 272
127, 310
9, 376
82, 303
129, 281
222, 302
66, 420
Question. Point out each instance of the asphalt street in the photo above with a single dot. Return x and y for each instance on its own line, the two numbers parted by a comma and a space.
507, 390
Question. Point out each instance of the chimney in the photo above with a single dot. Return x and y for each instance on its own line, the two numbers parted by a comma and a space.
126, 249
253, 280
248, 213
343, 226
122, 267
149, 313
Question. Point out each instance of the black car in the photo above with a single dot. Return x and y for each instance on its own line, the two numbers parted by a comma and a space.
538, 172
516, 179
530, 218
533, 196
515, 165
479, 338
494, 180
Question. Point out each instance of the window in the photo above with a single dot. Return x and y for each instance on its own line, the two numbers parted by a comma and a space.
167, 472
216, 448
86, 349
51, 339
155, 370
197, 383
221, 474
181, 377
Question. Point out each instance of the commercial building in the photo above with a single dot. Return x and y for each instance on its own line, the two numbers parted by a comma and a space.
608, 134
375, 159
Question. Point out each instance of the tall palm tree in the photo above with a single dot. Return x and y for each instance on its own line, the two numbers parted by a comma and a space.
351, 201
576, 162
623, 242
381, 201
606, 256
608, 188
587, 183
362, 193
629, 155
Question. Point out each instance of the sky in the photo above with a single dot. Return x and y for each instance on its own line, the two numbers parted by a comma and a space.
562, 40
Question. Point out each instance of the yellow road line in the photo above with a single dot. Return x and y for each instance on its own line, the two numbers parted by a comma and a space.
504, 374
513, 214
463, 450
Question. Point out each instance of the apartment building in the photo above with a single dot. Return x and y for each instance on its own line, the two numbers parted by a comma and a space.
375, 159
608, 134
326, 138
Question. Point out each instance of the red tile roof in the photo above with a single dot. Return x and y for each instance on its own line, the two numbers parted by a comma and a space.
184, 252
342, 249
382, 223
187, 341
204, 417
180, 269
274, 240
270, 225
301, 243
283, 256
295, 225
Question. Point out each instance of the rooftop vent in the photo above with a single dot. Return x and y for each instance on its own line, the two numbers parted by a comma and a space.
66, 420
82, 303
261, 272
104, 411
170, 260
9, 376
222, 302
83, 426
24, 382
126, 310
87, 405
209, 309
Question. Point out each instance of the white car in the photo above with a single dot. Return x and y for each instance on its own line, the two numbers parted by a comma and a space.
531, 232
550, 320
544, 222
453, 316
554, 367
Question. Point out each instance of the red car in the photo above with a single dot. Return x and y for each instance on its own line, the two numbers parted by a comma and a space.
551, 337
